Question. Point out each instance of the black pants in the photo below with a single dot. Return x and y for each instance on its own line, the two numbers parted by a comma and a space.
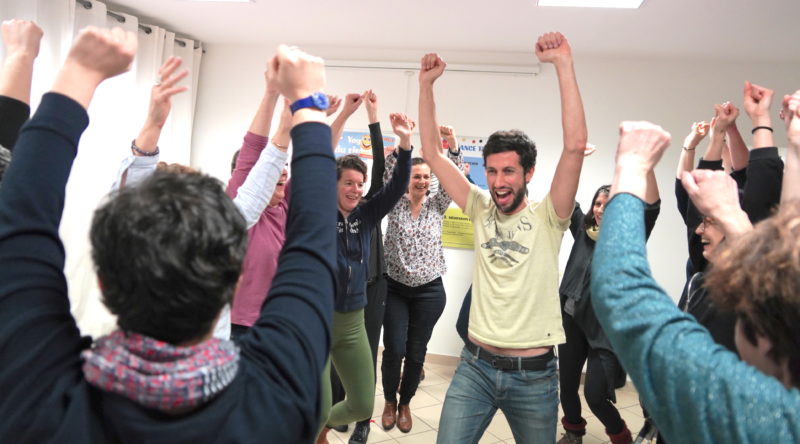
373, 320
571, 357
411, 314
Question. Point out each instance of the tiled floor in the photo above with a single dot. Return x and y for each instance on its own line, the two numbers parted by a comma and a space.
427, 405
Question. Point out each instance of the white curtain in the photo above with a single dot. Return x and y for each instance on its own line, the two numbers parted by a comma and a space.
116, 114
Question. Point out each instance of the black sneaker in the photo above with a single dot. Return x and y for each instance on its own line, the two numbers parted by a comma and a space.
360, 433
340, 428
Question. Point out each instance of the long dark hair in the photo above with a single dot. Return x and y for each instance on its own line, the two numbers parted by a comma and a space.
588, 219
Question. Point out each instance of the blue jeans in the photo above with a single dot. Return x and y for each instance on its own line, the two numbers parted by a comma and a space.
528, 399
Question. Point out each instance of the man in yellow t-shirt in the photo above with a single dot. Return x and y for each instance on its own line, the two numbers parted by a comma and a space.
515, 319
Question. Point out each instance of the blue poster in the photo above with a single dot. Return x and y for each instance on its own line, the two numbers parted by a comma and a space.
472, 150
360, 144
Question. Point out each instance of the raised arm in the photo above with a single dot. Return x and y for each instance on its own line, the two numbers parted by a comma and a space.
762, 187
696, 135
21, 39
441, 200
739, 153
790, 113
450, 177
144, 148
350, 104
715, 194
290, 342
554, 48
657, 343
376, 138
34, 305
725, 114
256, 138
386, 198
757, 101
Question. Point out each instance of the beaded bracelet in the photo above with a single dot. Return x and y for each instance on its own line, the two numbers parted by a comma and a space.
142, 152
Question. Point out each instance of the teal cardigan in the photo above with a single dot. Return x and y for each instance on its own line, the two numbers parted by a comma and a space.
696, 390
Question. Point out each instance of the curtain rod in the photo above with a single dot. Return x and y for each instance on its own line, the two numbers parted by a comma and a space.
121, 18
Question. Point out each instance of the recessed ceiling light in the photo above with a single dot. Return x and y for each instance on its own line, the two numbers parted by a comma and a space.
224, 1
631, 4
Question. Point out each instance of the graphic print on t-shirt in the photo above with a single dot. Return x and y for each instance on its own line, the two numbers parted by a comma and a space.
503, 247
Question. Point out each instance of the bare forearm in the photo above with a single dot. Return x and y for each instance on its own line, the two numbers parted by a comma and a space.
714, 151
762, 138
734, 223
651, 194
15, 80
738, 149
791, 175
263, 118
630, 180
428, 126
686, 161
147, 140
337, 128
573, 120
372, 115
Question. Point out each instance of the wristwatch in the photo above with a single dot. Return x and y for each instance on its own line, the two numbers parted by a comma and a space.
317, 100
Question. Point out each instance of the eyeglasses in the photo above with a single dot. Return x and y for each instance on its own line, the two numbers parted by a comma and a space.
707, 222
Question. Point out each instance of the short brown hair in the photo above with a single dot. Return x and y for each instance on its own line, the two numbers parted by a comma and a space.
350, 162
758, 277
175, 168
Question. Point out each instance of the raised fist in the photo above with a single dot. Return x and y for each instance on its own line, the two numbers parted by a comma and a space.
351, 103
552, 47
334, 102
402, 126
21, 37
757, 100
102, 53
295, 73
641, 145
431, 68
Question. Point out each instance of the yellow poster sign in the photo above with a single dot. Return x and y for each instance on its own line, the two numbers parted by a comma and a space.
457, 229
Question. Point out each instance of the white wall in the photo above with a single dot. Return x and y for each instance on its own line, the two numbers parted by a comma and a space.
672, 93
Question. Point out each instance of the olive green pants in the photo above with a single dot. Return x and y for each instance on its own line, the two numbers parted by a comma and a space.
352, 358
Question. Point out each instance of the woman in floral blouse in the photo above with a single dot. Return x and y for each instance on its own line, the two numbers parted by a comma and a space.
415, 297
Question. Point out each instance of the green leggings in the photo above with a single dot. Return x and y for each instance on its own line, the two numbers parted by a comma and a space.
352, 358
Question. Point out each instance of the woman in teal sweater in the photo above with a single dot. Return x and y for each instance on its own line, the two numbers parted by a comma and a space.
695, 389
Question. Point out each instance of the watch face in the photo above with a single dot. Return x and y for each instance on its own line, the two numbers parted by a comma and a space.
320, 100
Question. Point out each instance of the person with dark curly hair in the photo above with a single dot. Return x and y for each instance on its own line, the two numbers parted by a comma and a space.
508, 362
168, 255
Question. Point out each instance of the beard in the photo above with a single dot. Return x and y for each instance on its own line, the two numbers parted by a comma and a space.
519, 195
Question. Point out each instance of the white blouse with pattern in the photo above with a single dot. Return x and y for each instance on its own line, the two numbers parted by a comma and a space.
413, 247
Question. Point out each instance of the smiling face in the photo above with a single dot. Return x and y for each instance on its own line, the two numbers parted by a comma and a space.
598, 207
420, 181
280, 189
349, 189
507, 181
710, 235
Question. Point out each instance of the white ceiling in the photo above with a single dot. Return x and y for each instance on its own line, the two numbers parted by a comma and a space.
758, 30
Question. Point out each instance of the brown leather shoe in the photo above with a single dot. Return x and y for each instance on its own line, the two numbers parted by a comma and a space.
389, 417
404, 418
323, 436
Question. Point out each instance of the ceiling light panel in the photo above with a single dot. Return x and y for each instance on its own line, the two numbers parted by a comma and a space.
629, 4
